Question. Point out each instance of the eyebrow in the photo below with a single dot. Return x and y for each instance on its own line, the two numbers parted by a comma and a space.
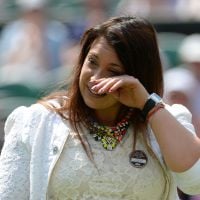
115, 65
93, 55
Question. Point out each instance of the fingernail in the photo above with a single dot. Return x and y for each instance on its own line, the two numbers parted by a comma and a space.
93, 87
93, 81
101, 91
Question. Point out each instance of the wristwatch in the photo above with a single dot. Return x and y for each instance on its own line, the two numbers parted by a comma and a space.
152, 101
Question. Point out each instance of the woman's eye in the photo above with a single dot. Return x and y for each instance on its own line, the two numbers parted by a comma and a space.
92, 61
116, 73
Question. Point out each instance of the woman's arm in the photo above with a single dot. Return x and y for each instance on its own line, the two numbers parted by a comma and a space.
180, 148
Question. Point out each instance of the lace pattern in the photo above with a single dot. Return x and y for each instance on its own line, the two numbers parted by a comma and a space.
14, 156
75, 177
35, 131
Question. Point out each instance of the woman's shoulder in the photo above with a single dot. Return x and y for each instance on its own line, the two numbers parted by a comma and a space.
25, 111
28, 116
35, 110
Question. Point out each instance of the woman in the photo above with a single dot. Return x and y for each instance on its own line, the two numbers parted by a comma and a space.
109, 136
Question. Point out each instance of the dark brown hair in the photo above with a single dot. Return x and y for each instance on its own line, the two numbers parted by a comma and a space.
134, 40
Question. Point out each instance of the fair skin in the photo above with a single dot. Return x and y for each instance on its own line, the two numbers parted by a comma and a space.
105, 87
103, 70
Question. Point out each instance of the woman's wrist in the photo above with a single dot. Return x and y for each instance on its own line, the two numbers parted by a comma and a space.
154, 110
151, 105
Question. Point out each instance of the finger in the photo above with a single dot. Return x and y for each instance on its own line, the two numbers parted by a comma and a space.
104, 85
95, 81
115, 86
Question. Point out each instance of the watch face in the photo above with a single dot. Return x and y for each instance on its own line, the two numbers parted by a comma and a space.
155, 97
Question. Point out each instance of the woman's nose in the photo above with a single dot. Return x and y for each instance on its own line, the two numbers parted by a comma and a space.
97, 75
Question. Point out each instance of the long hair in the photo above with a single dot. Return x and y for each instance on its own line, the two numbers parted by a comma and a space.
134, 40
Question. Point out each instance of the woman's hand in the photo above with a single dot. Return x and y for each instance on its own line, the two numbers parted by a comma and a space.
126, 89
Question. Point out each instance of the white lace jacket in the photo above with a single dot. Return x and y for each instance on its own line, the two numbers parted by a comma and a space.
36, 153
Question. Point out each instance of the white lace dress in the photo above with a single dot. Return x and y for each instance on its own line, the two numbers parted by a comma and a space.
76, 178
42, 159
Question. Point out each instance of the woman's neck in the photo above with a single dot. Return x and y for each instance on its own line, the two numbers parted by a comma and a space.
107, 117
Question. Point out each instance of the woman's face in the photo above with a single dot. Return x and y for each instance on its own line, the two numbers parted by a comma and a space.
101, 62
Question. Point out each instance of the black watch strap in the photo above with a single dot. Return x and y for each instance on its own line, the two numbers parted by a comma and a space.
150, 103
147, 107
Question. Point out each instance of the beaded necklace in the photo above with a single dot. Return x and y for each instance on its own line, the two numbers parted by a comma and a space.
110, 137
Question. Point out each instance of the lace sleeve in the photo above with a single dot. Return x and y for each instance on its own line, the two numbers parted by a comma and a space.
15, 158
183, 115
188, 181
